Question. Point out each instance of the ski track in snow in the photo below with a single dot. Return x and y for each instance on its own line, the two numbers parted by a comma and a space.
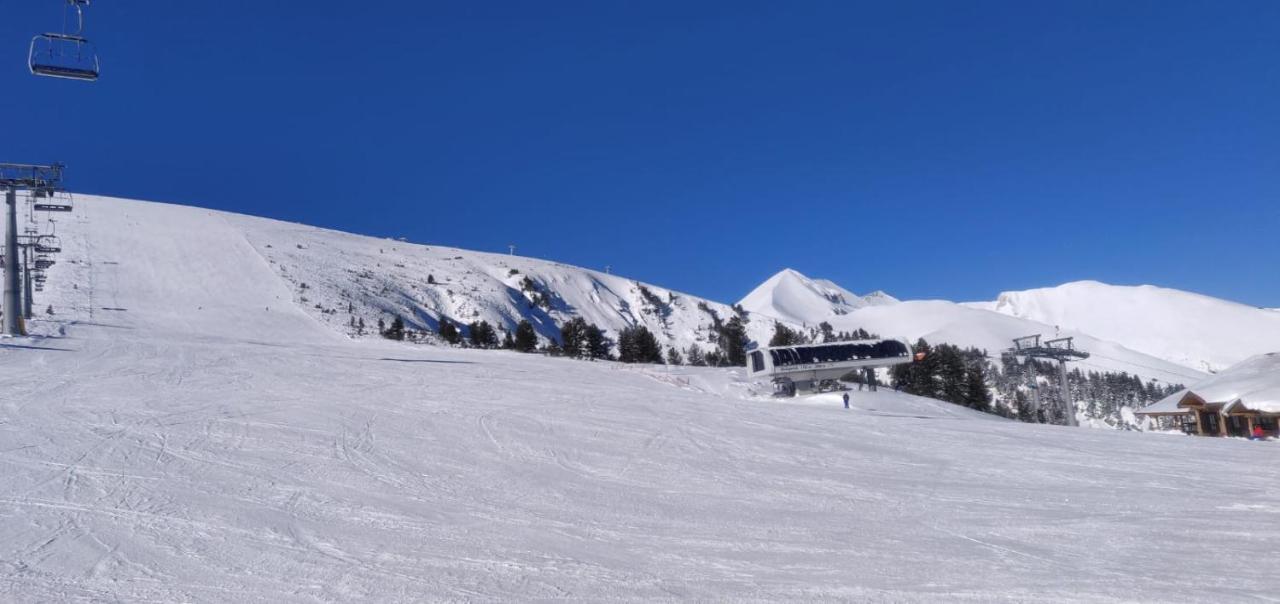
230, 453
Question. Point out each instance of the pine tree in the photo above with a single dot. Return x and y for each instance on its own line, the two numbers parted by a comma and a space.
828, 332
733, 342
482, 335
526, 339
449, 331
584, 340
395, 332
977, 395
627, 345
508, 342
636, 344
1023, 403
785, 336
714, 358
951, 378
924, 373
598, 344
573, 338
673, 356
900, 375
919, 377
695, 356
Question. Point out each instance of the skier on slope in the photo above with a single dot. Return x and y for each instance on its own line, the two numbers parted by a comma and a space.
846, 400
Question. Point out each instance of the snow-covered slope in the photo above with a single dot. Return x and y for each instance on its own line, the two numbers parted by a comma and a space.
175, 269
1181, 327
324, 278
185, 433
339, 277
941, 321
795, 298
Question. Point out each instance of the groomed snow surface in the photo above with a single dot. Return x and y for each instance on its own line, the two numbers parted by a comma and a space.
207, 440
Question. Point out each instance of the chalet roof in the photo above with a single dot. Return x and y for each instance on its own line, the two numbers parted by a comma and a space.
1166, 405
1253, 385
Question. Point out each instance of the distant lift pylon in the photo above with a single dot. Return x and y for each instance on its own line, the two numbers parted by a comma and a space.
1060, 350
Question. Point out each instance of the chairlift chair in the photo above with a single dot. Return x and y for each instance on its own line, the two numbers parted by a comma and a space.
65, 55
48, 244
56, 201
44, 262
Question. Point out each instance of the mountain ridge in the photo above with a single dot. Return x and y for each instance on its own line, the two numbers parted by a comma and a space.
341, 280
1158, 321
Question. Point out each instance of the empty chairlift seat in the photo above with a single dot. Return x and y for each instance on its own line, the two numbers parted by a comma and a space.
63, 56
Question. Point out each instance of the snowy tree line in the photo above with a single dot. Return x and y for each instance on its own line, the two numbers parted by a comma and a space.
581, 339
968, 377
822, 334
963, 376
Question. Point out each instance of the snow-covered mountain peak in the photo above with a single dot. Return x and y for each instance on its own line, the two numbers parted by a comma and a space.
879, 298
791, 296
1186, 328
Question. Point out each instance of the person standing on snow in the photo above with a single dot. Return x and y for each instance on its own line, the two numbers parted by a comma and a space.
846, 400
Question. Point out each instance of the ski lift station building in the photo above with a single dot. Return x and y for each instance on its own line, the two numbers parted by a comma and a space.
802, 367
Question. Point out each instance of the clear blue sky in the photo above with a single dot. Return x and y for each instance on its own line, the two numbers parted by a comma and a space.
930, 149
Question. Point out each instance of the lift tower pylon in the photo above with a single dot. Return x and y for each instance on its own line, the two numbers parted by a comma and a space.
1060, 350
40, 181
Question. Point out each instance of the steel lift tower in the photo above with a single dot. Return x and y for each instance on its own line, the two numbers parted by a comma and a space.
1061, 350
41, 181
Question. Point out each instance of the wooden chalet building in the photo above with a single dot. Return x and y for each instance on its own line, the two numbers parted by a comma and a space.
1233, 403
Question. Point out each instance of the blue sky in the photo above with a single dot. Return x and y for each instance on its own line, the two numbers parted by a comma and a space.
929, 149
